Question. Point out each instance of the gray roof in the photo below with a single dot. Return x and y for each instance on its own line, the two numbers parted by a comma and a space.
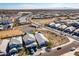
71, 28
29, 37
16, 40
40, 38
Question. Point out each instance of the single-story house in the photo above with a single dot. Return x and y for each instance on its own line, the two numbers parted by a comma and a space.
69, 29
30, 43
41, 39
76, 32
28, 39
3, 46
15, 37
32, 47
51, 25
57, 25
76, 24
6, 24
25, 17
16, 42
13, 52
22, 20
62, 27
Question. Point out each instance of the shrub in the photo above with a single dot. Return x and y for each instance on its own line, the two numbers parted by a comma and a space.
76, 53
49, 45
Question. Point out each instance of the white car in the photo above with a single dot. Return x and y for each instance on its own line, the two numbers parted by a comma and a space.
72, 49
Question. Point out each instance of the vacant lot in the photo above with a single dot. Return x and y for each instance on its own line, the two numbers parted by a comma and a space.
54, 39
42, 21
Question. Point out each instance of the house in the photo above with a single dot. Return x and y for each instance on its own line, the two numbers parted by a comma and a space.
62, 27
28, 39
30, 43
69, 29
41, 39
22, 20
76, 32
54, 25
15, 37
15, 45
32, 47
51, 25
16, 41
24, 13
25, 17
57, 25
12, 52
75, 24
3, 46
6, 24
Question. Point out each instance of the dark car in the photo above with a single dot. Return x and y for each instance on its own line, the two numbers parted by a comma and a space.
59, 48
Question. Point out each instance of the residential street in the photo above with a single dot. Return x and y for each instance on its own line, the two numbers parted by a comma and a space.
63, 50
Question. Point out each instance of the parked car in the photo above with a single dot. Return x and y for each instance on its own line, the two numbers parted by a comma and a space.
72, 49
59, 48
48, 49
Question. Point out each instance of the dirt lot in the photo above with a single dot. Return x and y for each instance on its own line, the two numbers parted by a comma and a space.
54, 39
42, 21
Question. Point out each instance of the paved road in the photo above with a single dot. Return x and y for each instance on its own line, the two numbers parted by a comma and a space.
64, 49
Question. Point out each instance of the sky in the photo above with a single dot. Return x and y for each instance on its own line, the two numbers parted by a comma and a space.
39, 5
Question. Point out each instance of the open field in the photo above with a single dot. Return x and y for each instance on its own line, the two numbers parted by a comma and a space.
42, 21
54, 39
